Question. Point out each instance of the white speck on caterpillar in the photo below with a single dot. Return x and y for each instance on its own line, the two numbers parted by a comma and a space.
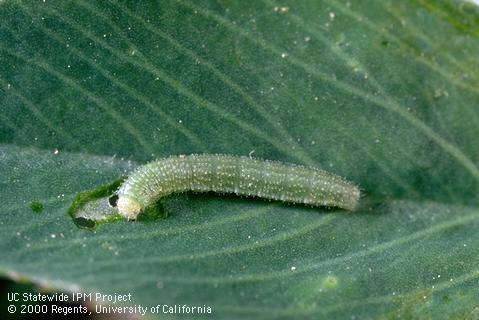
230, 174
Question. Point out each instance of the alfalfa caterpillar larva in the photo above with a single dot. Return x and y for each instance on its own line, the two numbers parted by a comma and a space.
231, 174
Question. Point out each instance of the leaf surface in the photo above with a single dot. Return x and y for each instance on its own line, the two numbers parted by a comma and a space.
384, 94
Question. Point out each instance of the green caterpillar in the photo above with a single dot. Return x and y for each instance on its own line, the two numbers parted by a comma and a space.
230, 174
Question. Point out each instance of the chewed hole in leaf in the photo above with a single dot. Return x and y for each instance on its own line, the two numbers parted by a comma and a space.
92, 207
98, 210
85, 223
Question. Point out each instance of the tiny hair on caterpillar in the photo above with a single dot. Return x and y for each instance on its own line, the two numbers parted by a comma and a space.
243, 176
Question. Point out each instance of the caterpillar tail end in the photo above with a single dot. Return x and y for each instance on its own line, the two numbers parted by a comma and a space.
128, 207
353, 199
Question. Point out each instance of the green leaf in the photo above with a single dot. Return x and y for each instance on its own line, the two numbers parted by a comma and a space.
384, 93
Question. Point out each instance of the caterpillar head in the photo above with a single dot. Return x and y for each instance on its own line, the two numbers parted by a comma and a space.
128, 207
